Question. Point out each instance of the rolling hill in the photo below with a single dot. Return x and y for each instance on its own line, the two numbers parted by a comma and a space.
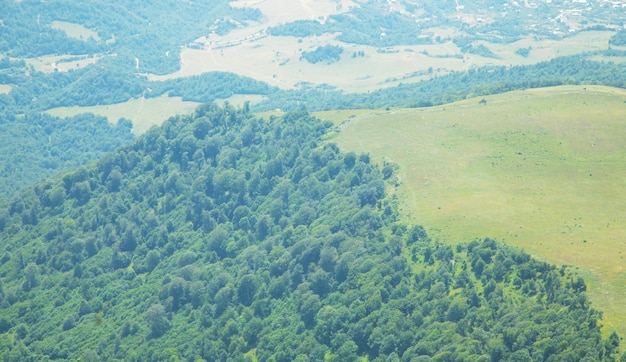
540, 169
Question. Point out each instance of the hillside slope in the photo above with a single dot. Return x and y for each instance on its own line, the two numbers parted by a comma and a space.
224, 237
540, 169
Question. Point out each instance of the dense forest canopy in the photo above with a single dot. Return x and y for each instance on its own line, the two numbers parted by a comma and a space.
220, 235
35, 146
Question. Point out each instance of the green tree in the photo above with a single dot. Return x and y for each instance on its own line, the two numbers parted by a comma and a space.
31, 277
152, 260
247, 288
157, 320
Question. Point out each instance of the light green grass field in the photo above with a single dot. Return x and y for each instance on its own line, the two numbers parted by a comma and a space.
144, 112
5, 88
61, 63
74, 30
542, 169
148, 112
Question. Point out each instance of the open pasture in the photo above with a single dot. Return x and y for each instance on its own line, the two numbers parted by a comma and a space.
144, 112
541, 169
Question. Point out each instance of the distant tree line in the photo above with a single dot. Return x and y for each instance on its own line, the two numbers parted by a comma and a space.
619, 39
578, 69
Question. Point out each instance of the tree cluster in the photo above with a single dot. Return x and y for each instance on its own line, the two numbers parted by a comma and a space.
327, 54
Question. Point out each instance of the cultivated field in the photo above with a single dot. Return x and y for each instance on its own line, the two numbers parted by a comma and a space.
541, 169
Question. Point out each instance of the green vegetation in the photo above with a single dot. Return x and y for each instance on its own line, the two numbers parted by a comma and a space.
370, 24
209, 86
619, 39
524, 52
36, 146
327, 54
538, 169
467, 46
220, 235
150, 33
96, 85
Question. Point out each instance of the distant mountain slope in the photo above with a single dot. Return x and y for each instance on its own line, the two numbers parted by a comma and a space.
220, 236
145, 36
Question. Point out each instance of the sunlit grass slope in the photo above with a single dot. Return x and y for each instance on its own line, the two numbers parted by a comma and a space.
542, 169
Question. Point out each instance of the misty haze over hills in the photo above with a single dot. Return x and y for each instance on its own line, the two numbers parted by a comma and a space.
186, 230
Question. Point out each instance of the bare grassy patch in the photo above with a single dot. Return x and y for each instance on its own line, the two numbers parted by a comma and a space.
543, 50
5, 88
540, 169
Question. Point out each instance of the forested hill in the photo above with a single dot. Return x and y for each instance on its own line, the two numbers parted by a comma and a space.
220, 236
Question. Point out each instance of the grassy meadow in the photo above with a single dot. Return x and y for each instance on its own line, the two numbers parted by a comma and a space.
541, 169
148, 112
144, 112
74, 30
